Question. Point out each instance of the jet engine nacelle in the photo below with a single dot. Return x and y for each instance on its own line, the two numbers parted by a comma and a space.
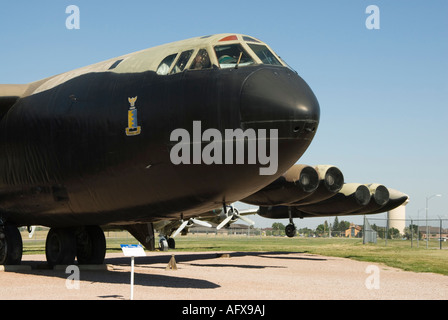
304, 191
353, 199
379, 197
300, 184
331, 181
396, 199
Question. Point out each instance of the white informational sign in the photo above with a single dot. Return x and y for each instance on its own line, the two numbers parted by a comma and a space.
133, 250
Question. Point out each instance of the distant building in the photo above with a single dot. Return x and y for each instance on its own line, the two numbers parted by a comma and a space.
434, 232
353, 231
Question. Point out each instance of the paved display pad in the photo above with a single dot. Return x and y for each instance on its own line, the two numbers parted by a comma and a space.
223, 276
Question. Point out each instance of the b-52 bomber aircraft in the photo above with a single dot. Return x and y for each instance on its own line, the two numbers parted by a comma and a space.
163, 139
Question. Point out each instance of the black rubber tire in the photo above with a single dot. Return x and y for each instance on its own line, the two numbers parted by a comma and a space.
163, 245
290, 230
92, 248
171, 243
11, 246
60, 247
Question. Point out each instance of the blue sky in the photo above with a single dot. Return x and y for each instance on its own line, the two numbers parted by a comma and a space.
383, 93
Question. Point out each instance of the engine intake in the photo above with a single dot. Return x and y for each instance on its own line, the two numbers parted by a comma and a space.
331, 181
297, 183
351, 197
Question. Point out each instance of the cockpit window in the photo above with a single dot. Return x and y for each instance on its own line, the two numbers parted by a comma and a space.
265, 55
231, 55
182, 61
201, 61
246, 38
165, 65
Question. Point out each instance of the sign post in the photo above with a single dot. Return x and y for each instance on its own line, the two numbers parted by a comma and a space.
132, 250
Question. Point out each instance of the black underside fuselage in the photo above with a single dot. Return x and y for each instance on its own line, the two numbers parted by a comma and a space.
66, 158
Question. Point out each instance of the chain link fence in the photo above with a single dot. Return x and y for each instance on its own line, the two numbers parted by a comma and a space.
430, 233
418, 233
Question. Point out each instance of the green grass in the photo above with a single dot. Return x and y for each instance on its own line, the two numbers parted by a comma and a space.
397, 253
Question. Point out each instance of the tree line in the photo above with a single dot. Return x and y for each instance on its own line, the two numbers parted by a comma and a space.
338, 228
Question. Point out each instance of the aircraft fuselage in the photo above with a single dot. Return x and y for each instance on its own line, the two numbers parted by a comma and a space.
95, 149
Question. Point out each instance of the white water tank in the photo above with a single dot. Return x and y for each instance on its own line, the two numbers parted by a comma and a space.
397, 217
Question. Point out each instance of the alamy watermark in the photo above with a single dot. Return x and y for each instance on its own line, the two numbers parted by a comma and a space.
373, 20
373, 280
72, 282
73, 21
188, 149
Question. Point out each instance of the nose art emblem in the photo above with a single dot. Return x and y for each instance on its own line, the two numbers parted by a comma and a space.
133, 129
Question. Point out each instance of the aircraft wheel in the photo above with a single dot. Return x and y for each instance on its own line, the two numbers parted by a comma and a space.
163, 244
171, 243
290, 230
60, 247
91, 245
11, 246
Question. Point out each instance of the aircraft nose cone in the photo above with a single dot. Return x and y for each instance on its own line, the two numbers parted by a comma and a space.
277, 98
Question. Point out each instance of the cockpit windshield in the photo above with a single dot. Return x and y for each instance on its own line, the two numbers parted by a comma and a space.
264, 54
231, 55
182, 62
232, 51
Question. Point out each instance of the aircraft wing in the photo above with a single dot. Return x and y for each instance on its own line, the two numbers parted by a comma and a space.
304, 191
301, 192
